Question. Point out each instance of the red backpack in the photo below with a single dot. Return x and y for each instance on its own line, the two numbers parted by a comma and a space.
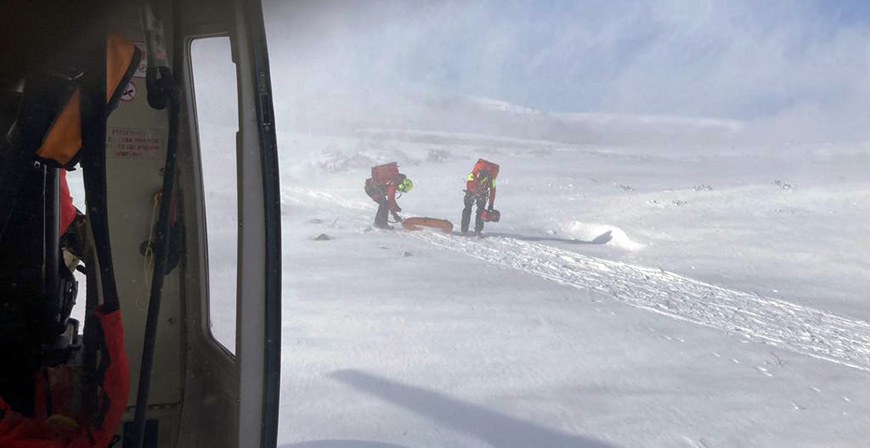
386, 173
491, 168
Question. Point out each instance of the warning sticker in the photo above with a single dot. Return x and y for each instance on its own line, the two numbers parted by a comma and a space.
129, 93
134, 143
143, 63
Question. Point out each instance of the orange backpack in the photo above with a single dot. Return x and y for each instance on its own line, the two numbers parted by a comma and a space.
491, 168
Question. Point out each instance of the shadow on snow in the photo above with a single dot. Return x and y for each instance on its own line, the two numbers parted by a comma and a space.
493, 427
341, 444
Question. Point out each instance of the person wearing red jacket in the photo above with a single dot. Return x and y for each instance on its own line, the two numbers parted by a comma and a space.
383, 191
479, 186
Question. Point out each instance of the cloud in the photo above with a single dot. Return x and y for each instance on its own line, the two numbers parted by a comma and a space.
769, 63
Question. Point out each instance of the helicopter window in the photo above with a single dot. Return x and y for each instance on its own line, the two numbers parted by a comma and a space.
76, 183
214, 76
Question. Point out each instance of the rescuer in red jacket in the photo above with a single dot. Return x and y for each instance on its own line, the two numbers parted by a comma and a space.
386, 180
479, 187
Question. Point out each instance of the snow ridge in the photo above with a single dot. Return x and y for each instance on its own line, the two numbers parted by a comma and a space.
797, 328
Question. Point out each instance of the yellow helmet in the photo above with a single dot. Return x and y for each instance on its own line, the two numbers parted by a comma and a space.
405, 186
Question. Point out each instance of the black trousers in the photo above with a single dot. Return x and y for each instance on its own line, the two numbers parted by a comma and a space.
470, 199
380, 196
382, 214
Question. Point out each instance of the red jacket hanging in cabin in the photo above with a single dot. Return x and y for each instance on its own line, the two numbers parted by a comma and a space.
67, 209
58, 431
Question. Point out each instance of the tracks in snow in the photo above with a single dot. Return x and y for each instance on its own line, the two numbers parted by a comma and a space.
793, 327
797, 328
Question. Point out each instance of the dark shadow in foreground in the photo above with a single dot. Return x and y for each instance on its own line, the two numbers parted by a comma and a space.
495, 428
604, 238
341, 444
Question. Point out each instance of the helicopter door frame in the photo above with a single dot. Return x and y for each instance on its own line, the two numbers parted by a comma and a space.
233, 400
258, 336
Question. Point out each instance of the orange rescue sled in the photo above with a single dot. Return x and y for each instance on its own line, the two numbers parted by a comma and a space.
418, 224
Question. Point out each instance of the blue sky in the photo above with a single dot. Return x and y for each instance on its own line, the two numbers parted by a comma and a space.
844, 12
741, 59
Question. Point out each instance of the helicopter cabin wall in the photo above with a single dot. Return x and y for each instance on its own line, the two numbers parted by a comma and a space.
195, 380
136, 138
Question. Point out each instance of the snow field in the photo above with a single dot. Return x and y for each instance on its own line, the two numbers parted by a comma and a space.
523, 339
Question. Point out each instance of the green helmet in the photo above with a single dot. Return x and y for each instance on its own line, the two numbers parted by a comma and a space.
405, 186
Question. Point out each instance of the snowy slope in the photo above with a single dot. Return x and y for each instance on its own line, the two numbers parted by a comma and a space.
338, 114
631, 296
